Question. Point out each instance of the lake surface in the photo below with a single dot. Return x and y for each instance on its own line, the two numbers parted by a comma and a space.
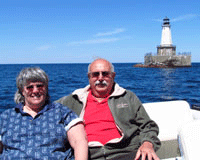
149, 84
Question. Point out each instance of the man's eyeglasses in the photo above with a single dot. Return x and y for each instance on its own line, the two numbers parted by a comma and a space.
96, 74
38, 86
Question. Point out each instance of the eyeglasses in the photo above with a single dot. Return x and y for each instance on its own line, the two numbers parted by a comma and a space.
38, 86
96, 74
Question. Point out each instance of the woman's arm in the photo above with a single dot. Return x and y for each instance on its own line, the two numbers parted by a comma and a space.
78, 141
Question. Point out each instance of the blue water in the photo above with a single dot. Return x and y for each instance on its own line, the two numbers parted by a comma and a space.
149, 84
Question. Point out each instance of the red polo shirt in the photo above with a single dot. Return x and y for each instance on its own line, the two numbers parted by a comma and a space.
99, 122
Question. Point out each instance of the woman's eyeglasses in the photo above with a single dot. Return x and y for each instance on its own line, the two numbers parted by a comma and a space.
38, 86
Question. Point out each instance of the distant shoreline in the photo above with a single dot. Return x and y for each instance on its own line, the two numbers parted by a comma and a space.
74, 63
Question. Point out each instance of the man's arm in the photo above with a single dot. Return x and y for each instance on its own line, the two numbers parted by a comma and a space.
78, 141
148, 132
148, 128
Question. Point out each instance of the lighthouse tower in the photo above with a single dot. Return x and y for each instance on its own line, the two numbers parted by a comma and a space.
166, 48
166, 39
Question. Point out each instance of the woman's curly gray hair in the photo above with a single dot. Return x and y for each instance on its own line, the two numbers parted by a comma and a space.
32, 74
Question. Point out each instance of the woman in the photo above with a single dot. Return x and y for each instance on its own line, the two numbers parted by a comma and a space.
38, 129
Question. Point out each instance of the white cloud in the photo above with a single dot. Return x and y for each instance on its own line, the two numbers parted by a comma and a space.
95, 41
185, 17
116, 31
100, 40
158, 20
180, 18
44, 48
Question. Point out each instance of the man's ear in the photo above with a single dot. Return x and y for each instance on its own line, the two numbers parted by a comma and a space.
88, 75
113, 75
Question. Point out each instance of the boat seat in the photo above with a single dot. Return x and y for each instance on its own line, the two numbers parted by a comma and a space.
170, 117
189, 140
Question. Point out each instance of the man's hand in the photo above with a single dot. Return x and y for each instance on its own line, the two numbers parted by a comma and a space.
146, 150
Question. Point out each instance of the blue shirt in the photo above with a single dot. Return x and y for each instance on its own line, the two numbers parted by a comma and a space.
42, 137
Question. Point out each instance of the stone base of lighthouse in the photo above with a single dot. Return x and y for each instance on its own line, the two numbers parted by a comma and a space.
166, 56
166, 50
183, 60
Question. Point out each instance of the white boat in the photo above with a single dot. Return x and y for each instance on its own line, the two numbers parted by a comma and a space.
179, 129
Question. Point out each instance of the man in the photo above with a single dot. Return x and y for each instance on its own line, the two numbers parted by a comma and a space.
116, 123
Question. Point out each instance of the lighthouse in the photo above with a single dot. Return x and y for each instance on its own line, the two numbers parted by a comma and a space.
166, 52
166, 47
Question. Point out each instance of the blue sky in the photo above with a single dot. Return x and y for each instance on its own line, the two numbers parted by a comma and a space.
77, 31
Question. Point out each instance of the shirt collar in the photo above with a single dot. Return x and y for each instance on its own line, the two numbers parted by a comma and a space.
19, 108
92, 98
